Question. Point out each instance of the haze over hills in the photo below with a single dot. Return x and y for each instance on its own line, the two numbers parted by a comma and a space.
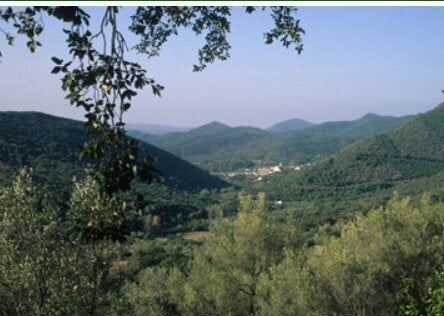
289, 125
49, 144
218, 147
156, 129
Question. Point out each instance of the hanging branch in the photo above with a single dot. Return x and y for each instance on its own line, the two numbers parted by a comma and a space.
104, 83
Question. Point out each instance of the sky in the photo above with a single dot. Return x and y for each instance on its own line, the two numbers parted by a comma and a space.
356, 60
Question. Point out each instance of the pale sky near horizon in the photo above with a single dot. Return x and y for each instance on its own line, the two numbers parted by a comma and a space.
356, 60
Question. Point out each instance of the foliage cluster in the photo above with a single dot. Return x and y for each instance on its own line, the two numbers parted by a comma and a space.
45, 270
386, 263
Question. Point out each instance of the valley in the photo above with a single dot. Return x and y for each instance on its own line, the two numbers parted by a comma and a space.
373, 163
375, 157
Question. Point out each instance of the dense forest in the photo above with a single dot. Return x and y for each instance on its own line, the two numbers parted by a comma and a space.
387, 262
43, 141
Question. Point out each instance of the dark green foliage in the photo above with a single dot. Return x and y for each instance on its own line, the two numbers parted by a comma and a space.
44, 270
410, 151
50, 145
164, 211
169, 253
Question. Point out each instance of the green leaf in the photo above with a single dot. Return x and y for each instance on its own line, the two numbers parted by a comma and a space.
56, 70
57, 60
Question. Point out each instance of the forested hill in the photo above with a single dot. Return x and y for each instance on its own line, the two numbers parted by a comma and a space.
310, 143
218, 147
411, 151
365, 126
289, 125
49, 144
208, 145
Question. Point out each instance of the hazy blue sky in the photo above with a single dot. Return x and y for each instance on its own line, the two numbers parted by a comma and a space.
356, 60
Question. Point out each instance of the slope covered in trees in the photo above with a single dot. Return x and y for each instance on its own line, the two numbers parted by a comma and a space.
50, 145
217, 147
408, 152
211, 146
313, 142
413, 150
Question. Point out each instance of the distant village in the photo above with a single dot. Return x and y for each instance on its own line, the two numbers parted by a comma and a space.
260, 172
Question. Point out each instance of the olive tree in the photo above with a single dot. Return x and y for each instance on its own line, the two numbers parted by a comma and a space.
43, 271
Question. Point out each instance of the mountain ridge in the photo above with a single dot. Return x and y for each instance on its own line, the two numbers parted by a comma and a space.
413, 150
41, 140
217, 147
289, 125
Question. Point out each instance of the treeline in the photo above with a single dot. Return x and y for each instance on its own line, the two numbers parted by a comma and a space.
388, 262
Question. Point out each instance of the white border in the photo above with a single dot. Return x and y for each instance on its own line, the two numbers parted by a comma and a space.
231, 3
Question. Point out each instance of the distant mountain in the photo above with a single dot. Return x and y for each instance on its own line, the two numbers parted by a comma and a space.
155, 129
289, 125
367, 125
411, 151
49, 144
326, 138
218, 147
209, 144
213, 127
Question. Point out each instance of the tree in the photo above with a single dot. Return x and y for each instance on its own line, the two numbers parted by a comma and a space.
234, 257
99, 78
42, 270
365, 271
155, 292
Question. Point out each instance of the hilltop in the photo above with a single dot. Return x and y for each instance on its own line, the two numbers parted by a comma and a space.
50, 144
289, 125
208, 145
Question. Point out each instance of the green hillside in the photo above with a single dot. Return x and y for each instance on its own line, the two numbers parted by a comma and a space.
218, 147
49, 144
409, 152
326, 138
212, 146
